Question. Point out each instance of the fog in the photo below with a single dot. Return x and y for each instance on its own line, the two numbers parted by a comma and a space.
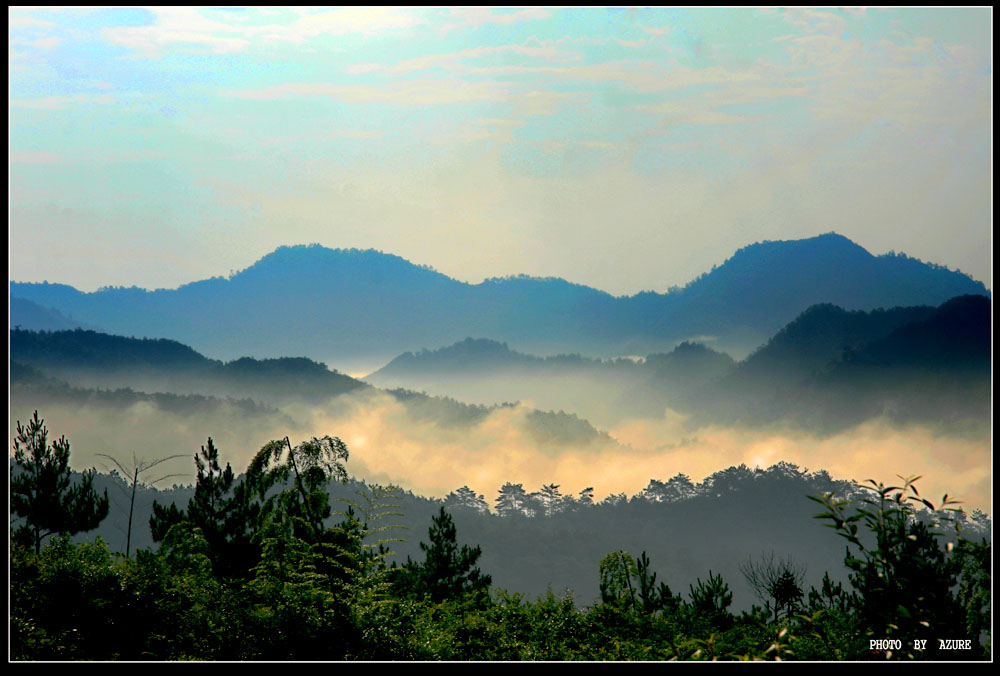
389, 443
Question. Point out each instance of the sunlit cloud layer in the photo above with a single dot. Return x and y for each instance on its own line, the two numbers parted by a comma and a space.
388, 445
623, 149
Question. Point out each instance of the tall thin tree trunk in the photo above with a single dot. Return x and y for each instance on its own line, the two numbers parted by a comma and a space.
131, 507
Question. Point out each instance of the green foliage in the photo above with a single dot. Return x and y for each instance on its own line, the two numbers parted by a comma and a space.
778, 584
712, 599
448, 571
41, 489
309, 466
617, 570
63, 601
314, 591
220, 510
975, 588
903, 568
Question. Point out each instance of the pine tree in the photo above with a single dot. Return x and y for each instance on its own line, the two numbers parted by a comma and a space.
215, 510
448, 571
42, 490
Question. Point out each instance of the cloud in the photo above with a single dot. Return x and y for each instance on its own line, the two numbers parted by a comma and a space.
702, 108
18, 22
61, 102
877, 449
35, 157
858, 82
388, 444
543, 102
814, 21
345, 21
452, 61
641, 76
402, 93
497, 130
655, 31
347, 132
45, 43
175, 26
476, 17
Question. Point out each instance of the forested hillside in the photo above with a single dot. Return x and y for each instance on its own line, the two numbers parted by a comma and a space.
273, 564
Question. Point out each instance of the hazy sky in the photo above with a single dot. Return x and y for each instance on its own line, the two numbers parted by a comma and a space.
623, 149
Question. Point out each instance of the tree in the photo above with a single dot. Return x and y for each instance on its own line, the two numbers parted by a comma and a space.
213, 510
133, 476
778, 584
550, 500
42, 490
309, 467
448, 571
617, 570
652, 597
628, 583
905, 578
512, 500
711, 599
466, 498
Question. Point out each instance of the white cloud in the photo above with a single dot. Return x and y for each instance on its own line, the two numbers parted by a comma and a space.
814, 21
175, 26
17, 22
656, 31
406, 93
45, 43
60, 102
475, 17
453, 61
641, 76
855, 11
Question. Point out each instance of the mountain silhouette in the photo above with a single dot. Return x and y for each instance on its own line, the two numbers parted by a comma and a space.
31, 316
832, 368
85, 366
343, 304
95, 359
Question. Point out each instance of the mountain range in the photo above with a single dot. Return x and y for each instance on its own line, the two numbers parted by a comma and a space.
344, 305
827, 369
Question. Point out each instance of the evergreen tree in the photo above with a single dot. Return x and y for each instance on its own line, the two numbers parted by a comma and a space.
711, 599
223, 512
466, 498
41, 488
550, 499
448, 571
512, 500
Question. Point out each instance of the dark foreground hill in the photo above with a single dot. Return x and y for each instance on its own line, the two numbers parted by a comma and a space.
348, 304
556, 541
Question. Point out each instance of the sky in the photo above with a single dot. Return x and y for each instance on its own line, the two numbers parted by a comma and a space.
623, 149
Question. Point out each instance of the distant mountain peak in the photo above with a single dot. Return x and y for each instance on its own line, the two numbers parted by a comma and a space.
312, 256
